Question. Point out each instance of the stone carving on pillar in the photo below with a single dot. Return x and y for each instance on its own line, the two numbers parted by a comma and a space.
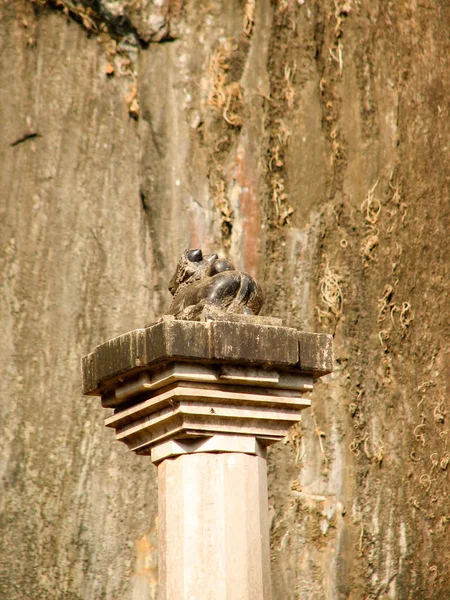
204, 391
206, 285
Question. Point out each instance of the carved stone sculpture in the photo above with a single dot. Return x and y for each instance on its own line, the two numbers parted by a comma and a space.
212, 284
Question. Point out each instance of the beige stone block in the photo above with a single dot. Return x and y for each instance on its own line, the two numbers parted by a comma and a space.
191, 417
247, 444
238, 396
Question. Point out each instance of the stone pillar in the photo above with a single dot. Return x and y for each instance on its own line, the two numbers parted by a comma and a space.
205, 399
214, 537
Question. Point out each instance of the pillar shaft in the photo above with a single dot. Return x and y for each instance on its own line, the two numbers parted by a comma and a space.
213, 527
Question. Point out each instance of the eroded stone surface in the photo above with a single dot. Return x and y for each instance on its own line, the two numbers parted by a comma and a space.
211, 341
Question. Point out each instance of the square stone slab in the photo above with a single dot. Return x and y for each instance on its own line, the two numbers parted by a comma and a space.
210, 342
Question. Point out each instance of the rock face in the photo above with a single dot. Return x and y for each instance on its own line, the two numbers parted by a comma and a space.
308, 143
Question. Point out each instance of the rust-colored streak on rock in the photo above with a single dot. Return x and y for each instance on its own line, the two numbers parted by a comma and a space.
247, 219
144, 580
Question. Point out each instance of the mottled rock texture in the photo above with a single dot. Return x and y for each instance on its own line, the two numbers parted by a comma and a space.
308, 142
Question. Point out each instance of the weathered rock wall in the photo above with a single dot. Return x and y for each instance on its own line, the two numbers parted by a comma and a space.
309, 142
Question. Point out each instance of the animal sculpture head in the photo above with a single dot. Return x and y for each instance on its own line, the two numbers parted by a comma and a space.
193, 266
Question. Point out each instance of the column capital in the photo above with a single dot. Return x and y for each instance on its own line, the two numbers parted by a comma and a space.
222, 379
